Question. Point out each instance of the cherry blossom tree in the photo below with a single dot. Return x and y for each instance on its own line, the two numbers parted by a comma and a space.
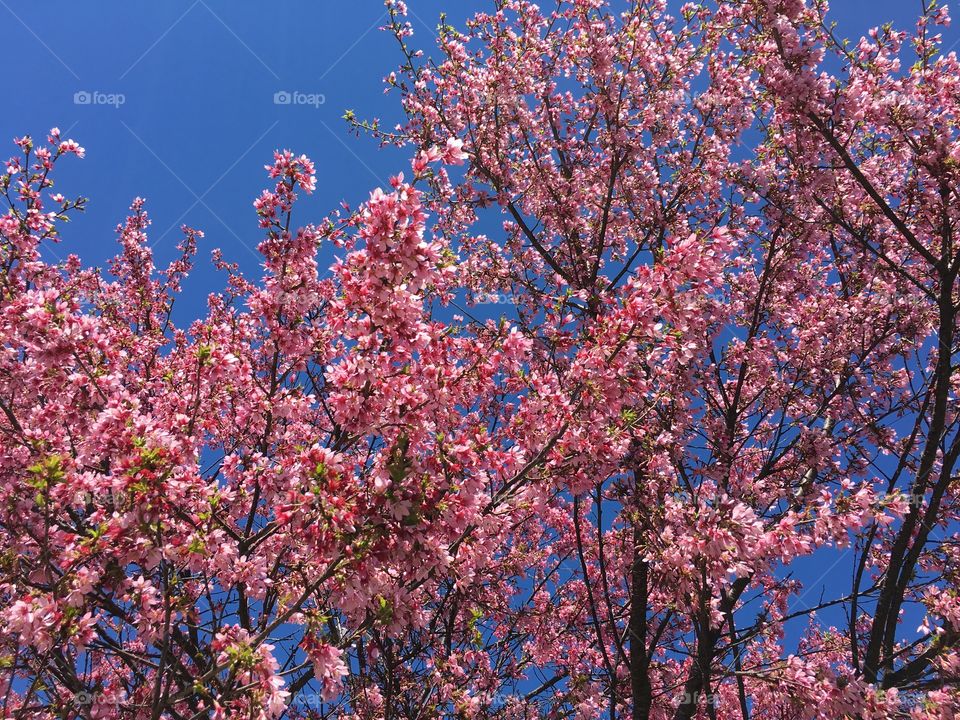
728, 369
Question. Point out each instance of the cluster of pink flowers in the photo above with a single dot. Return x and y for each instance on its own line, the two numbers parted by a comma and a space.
352, 493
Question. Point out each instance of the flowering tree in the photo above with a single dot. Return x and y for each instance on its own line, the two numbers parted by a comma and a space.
730, 354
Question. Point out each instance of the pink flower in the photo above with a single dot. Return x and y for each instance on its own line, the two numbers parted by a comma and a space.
453, 153
71, 147
329, 668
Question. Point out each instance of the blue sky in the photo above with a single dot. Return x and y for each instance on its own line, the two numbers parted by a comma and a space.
198, 118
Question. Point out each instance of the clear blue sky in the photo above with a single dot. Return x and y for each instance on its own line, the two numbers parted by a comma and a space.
198, 119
